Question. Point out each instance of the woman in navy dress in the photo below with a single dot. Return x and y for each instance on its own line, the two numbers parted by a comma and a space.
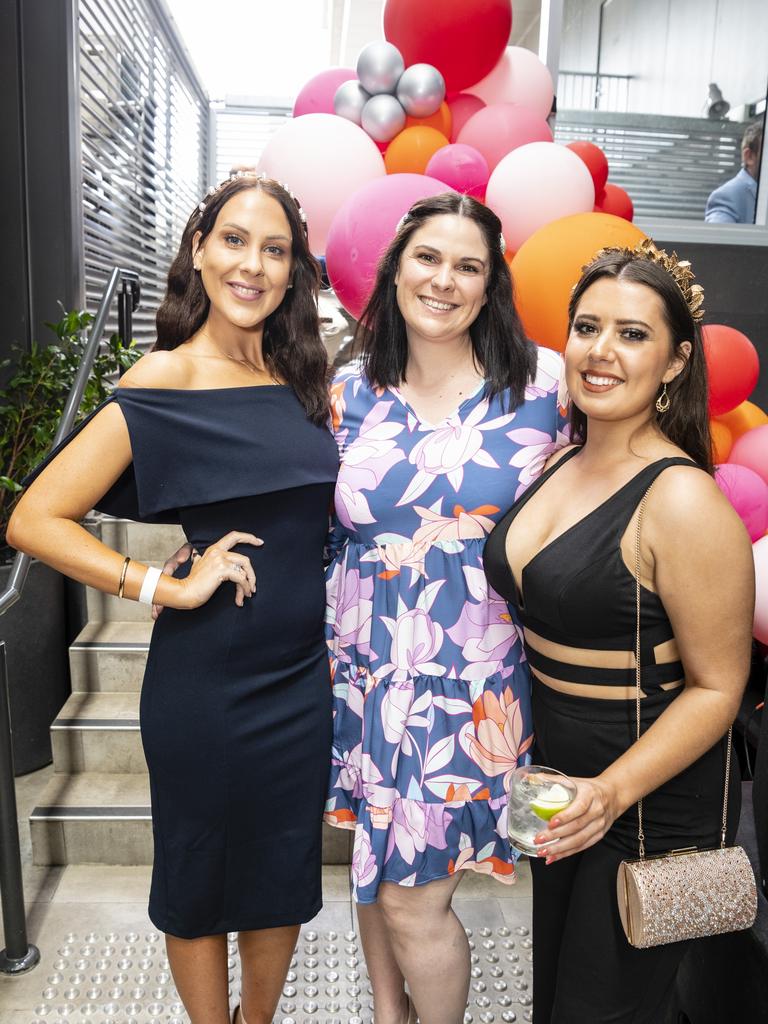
223, 429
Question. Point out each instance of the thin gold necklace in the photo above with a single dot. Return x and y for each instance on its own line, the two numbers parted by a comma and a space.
258, 370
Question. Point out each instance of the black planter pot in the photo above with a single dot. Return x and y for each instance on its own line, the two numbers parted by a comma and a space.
34, 631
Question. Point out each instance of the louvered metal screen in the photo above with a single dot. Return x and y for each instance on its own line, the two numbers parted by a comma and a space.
668, 165
144, 128
241, 131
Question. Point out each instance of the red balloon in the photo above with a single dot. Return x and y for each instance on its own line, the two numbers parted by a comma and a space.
596, 161
462, 107
733, 367
463, 41
616, 201
501, 127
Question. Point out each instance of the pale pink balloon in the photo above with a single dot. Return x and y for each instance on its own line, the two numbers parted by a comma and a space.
316, 95
537, 184
519, 77
501, 127
461, 167
362, 229
760, 555
323, 159
462, 107
748, 493
751, 450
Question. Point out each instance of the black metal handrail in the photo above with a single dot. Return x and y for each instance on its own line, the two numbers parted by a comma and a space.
19, 956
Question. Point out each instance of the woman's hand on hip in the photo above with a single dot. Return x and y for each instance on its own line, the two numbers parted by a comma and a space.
582, 824
218, 565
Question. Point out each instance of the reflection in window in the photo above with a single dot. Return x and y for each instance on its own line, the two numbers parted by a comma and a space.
659, 87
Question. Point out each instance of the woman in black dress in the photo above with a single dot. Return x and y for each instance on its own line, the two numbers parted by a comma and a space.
564, 556
223, 429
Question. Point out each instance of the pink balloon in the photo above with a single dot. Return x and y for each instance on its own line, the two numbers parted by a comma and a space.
462, 107
498, 129
461, 167
316, 95
748, 493
519, 77
751, 450
324, 159
536, 184
363, 228
760, 555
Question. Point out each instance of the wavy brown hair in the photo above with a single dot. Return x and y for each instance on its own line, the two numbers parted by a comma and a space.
292, 344
686, 422
499, 344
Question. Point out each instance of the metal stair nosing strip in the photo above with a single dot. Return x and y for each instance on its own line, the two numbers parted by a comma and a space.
60, 812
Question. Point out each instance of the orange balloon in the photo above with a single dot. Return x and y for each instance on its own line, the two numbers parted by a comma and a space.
548, 264
411, 150
441, 120
722, 441
743, 418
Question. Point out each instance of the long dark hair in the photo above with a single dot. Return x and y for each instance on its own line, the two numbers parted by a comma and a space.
292, 344
686, 422
500, 346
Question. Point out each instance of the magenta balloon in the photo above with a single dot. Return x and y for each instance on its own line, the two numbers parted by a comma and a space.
462, 106
751, 450
316, 96
461, 167
748, 493
501, 127
760, 555
362, 229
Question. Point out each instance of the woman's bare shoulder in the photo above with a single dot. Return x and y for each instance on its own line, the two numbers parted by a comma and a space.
160, 369
555, 457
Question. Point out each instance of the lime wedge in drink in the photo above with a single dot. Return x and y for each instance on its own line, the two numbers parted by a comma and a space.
556, 799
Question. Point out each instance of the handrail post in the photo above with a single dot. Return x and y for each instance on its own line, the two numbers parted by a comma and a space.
19, 955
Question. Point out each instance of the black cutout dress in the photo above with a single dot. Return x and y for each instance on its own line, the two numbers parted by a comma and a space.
236, 702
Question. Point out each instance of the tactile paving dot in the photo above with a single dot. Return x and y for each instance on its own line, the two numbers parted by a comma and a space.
115, 978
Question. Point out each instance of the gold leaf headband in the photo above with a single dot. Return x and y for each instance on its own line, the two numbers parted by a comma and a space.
680, 270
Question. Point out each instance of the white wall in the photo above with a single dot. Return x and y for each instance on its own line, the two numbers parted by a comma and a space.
674, 48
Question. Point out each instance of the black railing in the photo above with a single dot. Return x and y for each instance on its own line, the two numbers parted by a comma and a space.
19, 955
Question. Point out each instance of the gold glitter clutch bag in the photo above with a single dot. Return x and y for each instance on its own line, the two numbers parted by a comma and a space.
683, 894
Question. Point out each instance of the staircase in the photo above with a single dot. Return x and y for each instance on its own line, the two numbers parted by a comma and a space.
96, 808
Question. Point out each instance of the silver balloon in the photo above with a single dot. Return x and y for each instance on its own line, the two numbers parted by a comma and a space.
379, 67
383, 117
349, 100
421, 90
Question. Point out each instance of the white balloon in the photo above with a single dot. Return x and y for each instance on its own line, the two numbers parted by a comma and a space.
535, 184
383, 117
349, 100
519, 77
421, 90
379, 67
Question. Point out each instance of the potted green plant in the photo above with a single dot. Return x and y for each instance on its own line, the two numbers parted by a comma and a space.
35, 631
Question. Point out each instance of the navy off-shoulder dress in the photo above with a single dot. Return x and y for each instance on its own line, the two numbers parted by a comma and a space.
236, 702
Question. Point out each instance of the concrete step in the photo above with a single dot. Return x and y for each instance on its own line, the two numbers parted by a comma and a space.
110, 656
104, 818
98, 732
143, 541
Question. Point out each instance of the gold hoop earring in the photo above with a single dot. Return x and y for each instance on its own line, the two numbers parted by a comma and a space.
663, 401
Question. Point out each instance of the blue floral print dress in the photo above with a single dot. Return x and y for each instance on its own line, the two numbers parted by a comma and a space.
430, 684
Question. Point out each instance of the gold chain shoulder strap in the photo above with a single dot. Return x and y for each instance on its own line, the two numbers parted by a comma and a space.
638, 675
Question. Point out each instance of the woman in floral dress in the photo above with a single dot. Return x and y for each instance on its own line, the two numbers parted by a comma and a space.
449, 417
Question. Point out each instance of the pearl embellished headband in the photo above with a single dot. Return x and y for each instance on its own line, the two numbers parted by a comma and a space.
258, 176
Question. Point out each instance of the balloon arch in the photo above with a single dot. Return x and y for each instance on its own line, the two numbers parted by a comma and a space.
444, 103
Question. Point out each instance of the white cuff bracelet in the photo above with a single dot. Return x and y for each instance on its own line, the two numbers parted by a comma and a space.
149, 586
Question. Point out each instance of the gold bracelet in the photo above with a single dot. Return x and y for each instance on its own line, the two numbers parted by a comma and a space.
121, 586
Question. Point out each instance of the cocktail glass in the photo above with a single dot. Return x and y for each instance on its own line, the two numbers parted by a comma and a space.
535, 797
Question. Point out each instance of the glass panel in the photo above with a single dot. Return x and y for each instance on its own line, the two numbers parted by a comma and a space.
670, 90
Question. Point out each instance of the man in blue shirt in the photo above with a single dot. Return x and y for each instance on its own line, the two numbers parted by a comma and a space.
734, 201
